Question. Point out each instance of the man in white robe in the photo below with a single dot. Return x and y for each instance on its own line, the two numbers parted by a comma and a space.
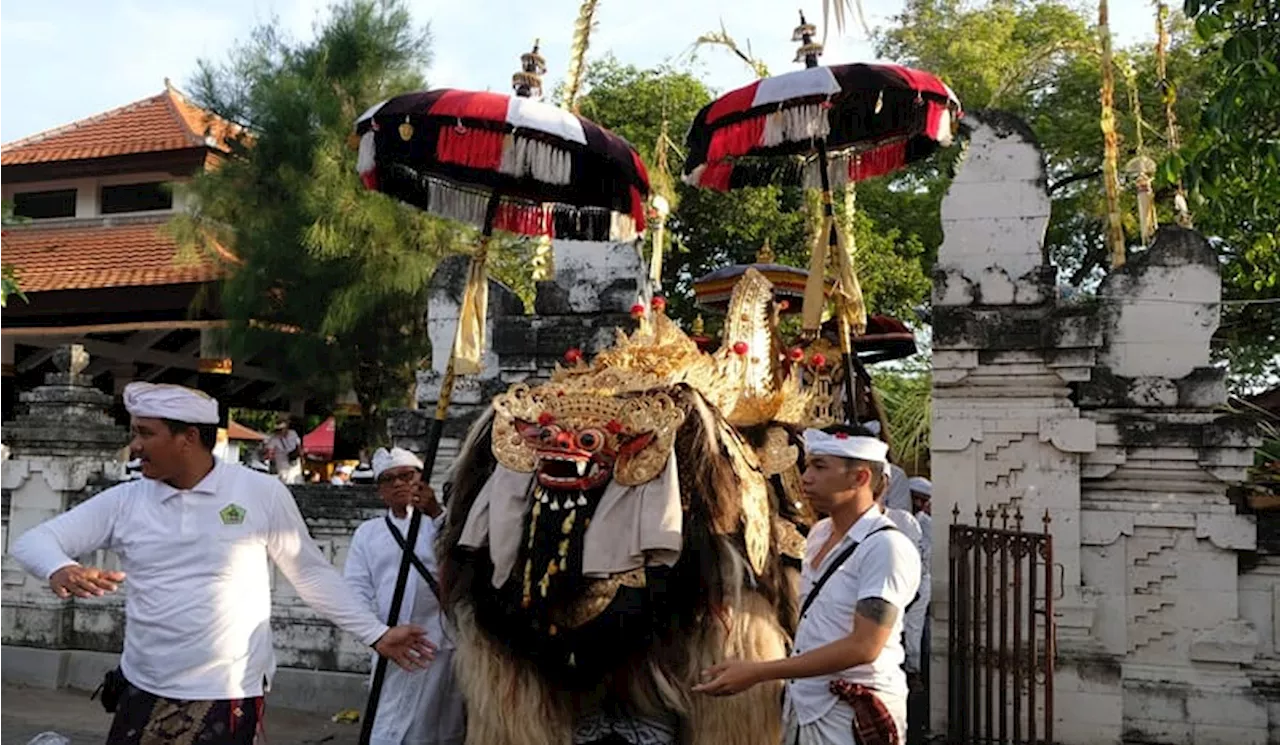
420, 707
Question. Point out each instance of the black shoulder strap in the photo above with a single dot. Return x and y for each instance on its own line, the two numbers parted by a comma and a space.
417, 563
836, 563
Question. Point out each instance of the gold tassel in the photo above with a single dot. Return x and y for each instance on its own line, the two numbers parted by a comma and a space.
849, 301
1111, 178
468, 346
815, 298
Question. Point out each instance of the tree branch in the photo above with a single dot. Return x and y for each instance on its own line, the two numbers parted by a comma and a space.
1074, 178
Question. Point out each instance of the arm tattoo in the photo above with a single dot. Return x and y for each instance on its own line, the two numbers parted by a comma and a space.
879, 610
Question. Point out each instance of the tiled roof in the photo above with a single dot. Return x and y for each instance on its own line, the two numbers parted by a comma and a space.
77, 256
237, 431
164, 122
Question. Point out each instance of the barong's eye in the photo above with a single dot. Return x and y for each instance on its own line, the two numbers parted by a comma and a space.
590, 440
549, 434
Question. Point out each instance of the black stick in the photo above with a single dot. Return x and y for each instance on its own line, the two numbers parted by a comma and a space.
434, 432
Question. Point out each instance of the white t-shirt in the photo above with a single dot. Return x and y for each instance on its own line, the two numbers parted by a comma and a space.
885, 565
281, 445
197, 588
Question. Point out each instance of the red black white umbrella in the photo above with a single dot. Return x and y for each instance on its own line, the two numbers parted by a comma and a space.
872, 118
448, 151
818, 127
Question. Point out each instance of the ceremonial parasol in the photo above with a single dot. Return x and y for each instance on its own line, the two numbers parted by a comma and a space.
815, 127
499, 162
713, 290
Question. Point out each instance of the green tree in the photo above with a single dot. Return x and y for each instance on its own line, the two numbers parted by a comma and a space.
1232, 164
1038, 59
329, 282
10, 285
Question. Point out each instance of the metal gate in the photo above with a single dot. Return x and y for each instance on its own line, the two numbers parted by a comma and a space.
1000, 632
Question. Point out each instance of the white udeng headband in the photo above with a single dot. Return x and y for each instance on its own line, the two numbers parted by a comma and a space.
817, 442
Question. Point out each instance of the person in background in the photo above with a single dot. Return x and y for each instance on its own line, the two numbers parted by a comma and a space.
415, 708
845, 682
284, 449
193, 536
342, 476
918, 622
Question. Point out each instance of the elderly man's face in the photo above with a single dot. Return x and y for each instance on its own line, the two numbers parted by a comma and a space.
397, 486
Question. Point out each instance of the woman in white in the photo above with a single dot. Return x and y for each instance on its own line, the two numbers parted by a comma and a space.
424, 707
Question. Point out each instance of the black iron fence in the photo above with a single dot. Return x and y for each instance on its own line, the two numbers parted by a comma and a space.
1001, 631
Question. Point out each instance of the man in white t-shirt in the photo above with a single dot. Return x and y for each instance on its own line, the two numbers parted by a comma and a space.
284, 448
194, 536
860, 572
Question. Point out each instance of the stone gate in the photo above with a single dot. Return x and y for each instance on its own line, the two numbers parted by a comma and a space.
1106, 414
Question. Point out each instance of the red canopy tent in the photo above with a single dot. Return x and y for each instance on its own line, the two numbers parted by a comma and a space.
318, 443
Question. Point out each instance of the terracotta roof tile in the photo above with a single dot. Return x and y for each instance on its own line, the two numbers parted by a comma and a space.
237, 431
70, 256
167, 121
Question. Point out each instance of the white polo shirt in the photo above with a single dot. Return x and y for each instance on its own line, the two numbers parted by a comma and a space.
197, 587
885, 565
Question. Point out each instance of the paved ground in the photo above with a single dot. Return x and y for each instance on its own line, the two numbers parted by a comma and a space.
26, 712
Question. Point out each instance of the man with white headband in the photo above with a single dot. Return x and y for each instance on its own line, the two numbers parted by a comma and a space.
414, 708
859, 573
193, 537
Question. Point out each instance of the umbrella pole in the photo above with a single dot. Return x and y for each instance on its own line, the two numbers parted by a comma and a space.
842, 324
434, 432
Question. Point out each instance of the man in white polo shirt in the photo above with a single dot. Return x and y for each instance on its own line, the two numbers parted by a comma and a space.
860, 573
194, 536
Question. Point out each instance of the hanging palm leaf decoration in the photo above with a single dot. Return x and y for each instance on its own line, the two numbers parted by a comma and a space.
837, 10
578, 53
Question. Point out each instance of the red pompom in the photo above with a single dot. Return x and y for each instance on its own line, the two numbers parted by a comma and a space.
818, 360
573, 356
546, 418
614, 426
659, 303
842, 435
784, 304
637, 310
796, 354
740, 348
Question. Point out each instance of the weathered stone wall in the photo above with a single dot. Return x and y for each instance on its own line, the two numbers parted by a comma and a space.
582, 306
1106, 416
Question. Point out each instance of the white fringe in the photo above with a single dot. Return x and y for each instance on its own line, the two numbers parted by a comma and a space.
837, 168
795, 125
622, 227
546, 163
365, 160
944, 129
446, 200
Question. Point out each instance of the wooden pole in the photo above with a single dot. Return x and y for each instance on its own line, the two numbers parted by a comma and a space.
434, 431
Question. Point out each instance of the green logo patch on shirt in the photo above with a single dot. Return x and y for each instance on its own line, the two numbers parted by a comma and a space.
232, 514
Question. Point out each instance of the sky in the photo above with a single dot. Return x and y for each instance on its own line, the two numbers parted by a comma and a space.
63, 60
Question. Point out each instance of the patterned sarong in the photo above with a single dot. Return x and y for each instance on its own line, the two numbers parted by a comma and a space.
872, 722
147, 719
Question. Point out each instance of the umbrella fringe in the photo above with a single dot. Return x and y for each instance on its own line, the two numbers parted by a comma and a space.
525, 157
470, 147
795, 124
884, 158
366, 163
736, 139
938, 123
